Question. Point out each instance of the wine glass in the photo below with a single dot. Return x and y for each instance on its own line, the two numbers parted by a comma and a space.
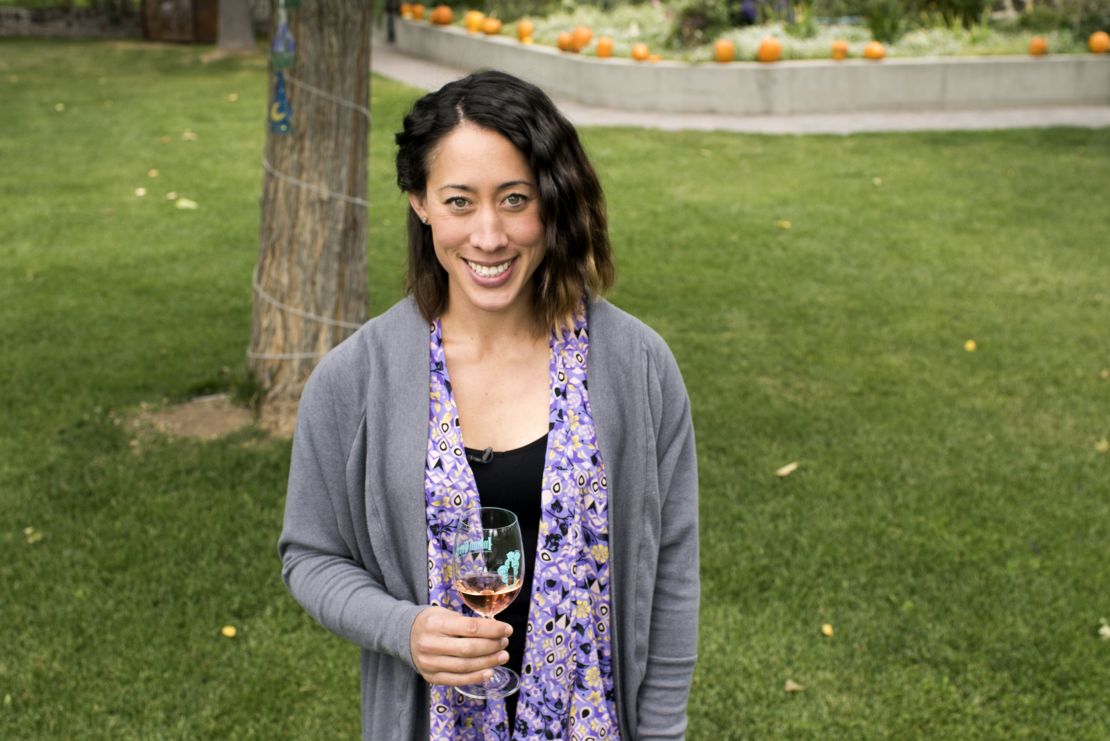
488, 572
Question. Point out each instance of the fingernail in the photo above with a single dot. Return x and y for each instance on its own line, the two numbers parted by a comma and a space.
502, 657
486, 676
504, 642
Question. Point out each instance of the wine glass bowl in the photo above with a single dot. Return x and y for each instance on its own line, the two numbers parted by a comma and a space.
488, 572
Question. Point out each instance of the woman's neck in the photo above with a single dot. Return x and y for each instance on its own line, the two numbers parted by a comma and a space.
492, 332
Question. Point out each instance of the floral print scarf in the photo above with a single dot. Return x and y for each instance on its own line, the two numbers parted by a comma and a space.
566, 689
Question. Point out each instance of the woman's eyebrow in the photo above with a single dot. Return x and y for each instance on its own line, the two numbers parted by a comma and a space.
470, 189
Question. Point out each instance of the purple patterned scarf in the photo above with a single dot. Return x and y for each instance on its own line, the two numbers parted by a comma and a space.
567, 678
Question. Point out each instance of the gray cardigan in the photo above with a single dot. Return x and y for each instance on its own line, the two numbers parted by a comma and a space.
354, 545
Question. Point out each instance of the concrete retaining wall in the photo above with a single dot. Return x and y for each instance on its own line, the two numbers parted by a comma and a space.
750, 88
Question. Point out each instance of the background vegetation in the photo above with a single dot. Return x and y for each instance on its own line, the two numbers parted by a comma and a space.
948, 518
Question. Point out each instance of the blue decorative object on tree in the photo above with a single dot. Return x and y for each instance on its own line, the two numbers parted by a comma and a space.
281, 113
283, 52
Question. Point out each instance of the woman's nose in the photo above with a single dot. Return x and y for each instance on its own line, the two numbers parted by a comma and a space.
488, 233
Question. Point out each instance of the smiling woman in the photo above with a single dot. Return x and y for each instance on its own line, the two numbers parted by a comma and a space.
504, 381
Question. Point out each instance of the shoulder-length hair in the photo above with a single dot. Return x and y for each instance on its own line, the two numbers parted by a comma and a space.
578, 261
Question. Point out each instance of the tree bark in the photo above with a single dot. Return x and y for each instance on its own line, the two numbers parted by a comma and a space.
235, 32
310, 289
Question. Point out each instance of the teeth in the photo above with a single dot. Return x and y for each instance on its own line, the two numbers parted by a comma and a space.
489, 271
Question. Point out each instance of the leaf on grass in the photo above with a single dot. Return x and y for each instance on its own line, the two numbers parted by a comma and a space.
970, 346
827, 630
171, 196
1105, 374
152, 173
1103, 445
186, 203
784, 224
792, 686
165, 139
786, 470
232, 97
140, 192
60, 107
189, 135
876, 181
32, 536
228, 631
1104, 630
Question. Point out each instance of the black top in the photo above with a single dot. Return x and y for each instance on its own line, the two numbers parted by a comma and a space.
513, 480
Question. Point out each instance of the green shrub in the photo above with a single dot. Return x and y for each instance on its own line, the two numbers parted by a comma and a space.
886, 19
697, 21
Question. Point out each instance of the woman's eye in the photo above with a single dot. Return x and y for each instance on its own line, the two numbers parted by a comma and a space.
457, 202
516, 199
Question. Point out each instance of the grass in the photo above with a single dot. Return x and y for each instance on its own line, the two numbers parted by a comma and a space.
949, 517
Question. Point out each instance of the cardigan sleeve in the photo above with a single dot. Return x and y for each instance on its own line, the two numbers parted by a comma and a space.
672, 642
320, 565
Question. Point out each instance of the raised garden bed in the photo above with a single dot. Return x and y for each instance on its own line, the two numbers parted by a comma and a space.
790, 87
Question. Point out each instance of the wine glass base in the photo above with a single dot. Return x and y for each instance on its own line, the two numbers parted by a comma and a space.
503, 683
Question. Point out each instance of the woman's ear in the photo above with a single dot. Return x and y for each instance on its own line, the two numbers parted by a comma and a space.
419, 205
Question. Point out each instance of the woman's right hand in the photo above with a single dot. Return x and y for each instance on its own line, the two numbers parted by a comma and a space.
452, 649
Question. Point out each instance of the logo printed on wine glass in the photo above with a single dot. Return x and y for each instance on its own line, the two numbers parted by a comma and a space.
512, 563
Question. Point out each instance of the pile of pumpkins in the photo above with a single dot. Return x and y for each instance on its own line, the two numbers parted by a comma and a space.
724, 50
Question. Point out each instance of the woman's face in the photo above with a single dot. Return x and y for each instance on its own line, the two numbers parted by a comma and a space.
482, 204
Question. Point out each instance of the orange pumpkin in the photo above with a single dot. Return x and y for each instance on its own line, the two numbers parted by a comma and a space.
582, 36
473, 20
491, 26
640, 51
1099, 43
525, 29
406, 11
840, 49
724, 50
770, 50
604, 48
565, 42
653, 58
1038, 46
874, 51
442, 15
417, 11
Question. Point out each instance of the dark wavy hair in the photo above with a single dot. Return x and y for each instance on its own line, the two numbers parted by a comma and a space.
578, 260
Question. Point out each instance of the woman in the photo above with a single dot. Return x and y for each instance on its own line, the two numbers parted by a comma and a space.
503, 376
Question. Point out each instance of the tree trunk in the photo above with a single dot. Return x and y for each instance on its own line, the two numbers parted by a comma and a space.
310, 289
235, 30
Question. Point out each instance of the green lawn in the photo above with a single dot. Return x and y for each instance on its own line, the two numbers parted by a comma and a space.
950, 517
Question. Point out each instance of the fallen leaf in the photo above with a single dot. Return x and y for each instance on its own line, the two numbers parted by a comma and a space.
1104, 630
229, 631
1103, 446
827, 630
32, 536
786, 470
783, 224
165, 139
59, 107
232, 97
186, 203
152, 173
140, 192
189, 135
171, 196
1105, 373
792, 686
970, 346
876, 181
